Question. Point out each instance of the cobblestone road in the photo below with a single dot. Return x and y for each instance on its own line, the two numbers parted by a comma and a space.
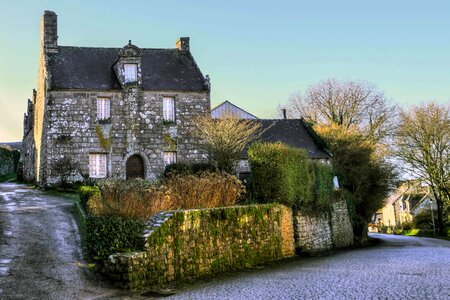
399, 268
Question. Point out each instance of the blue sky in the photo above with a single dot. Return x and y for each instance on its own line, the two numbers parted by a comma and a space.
257, 53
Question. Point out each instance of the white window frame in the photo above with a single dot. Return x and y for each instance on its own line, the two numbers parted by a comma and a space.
103, 108
169, 157
97, 165
169, 109
130, 72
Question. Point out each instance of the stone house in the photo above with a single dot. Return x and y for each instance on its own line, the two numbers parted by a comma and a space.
111, 112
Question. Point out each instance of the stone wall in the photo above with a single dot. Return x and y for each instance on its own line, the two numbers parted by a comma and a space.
8, 160
341, 227
313, 233
136, 127
193, 243
28, 156
321, 232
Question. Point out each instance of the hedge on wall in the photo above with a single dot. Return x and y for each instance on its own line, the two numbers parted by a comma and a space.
280, 173
284, 174
106, 235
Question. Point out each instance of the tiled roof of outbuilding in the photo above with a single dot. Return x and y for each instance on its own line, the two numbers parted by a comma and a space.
294, 133
91, 68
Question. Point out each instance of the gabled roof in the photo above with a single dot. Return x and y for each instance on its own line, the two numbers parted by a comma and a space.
294, 133
227, 106
91, 68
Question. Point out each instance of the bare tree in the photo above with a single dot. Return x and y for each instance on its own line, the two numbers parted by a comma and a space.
226, 138
424, 145
347, 104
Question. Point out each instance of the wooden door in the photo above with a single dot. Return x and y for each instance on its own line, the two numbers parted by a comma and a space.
135, 167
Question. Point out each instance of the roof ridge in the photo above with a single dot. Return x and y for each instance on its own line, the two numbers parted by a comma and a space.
118, 48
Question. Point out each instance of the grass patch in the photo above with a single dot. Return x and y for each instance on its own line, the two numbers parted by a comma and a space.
7, 177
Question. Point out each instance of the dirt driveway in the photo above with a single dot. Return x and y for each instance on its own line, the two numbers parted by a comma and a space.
40, 256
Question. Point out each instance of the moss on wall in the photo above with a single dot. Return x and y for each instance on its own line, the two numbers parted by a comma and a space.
105, 142
193, 243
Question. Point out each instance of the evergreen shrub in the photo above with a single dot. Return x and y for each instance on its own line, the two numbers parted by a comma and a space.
185, 168
106, 235
286, 175
86, 192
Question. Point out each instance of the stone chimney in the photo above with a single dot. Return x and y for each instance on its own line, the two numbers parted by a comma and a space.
183, 44
284, 113
49, 32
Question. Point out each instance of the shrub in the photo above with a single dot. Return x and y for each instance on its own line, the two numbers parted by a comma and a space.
204, 190
184, 168
284, 174
323, 184
134, 199
280, 173
139, 199
423, 220
86, 192
106, 235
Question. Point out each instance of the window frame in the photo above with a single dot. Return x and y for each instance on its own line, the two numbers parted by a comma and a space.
103, 108
127, 73
98, 165
169, 110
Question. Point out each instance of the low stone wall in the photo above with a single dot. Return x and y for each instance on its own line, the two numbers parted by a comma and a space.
341, 227
320, 233
193, 243
312, 233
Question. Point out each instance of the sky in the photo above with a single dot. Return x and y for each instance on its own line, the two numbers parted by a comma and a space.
257, 53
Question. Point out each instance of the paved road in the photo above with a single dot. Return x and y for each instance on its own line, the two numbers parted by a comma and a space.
40, 258
40, 255
399, 268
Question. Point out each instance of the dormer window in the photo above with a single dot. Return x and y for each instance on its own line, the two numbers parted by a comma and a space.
130, 72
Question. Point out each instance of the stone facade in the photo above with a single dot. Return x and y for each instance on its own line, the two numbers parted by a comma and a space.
62, 120
319, 233
193, 243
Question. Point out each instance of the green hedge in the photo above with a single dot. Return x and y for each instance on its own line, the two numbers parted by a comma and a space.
185, 168
85, 192
106, 235
284, 174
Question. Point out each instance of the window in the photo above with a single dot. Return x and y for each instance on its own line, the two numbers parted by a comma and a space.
170, 157
103, 108
97, 165
130, 72
168, 109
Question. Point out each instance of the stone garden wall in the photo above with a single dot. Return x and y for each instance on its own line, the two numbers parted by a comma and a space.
193, 243
320, 233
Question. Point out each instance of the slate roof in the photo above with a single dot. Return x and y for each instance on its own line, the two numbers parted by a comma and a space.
91, 68
294, 133
227, 106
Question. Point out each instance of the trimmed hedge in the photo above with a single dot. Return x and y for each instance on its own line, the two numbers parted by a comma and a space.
286, 175
85, 192
185, 168
106, 235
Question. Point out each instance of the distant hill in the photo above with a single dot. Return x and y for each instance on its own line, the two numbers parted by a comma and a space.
13, 145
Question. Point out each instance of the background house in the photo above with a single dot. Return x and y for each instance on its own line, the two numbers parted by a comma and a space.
111, 112
292, 132
408, 200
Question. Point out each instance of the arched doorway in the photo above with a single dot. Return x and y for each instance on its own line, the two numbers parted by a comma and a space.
135, 167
